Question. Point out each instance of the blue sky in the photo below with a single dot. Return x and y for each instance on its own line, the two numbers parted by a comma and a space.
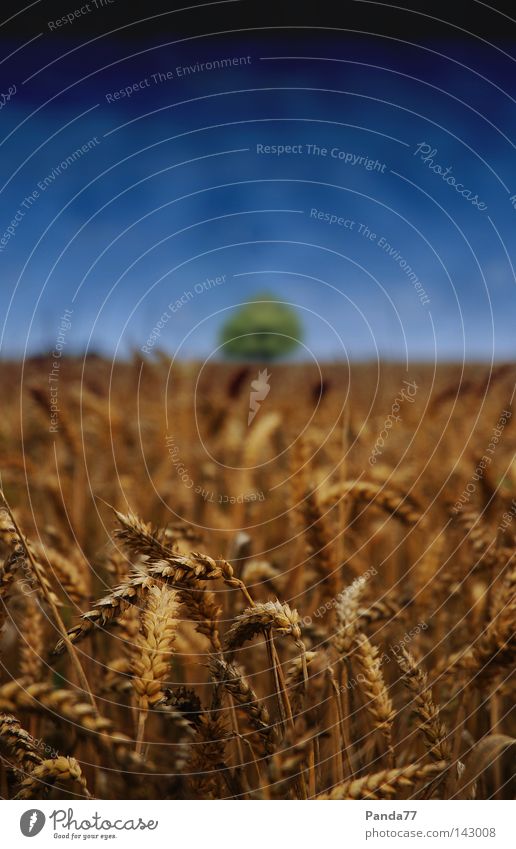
172, 192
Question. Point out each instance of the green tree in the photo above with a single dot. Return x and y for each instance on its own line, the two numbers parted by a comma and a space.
263, 329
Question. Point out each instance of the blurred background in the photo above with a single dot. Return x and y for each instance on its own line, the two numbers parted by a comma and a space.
142, 190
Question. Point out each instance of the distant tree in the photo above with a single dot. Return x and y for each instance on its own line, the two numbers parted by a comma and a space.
263, 329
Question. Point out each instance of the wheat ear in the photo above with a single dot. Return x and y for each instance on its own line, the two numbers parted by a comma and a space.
427, 712
154, 647
386, 784
169, 565
264, 616
33, 641
20, 694
379, 704
234, 681
67, 573
200, 605
62, 773
495, 649
18, 742
321, 546
109, 609
347, 612
207, 762
399, 504
74, 658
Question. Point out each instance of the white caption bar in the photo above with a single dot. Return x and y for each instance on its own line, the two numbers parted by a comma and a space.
230, 825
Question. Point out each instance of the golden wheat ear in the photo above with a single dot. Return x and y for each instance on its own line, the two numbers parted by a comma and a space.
402, 505
18, 743
387, 784
108, 610
153, 651
378, 701
64, 775
427, 713
234, 681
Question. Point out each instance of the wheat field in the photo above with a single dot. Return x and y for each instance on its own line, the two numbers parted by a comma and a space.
316, 601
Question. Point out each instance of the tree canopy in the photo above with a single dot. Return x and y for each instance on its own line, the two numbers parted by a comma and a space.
263, 329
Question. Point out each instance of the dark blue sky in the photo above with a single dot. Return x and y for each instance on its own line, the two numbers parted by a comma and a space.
173, 191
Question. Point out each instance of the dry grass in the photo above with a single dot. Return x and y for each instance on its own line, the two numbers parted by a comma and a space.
257, 612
